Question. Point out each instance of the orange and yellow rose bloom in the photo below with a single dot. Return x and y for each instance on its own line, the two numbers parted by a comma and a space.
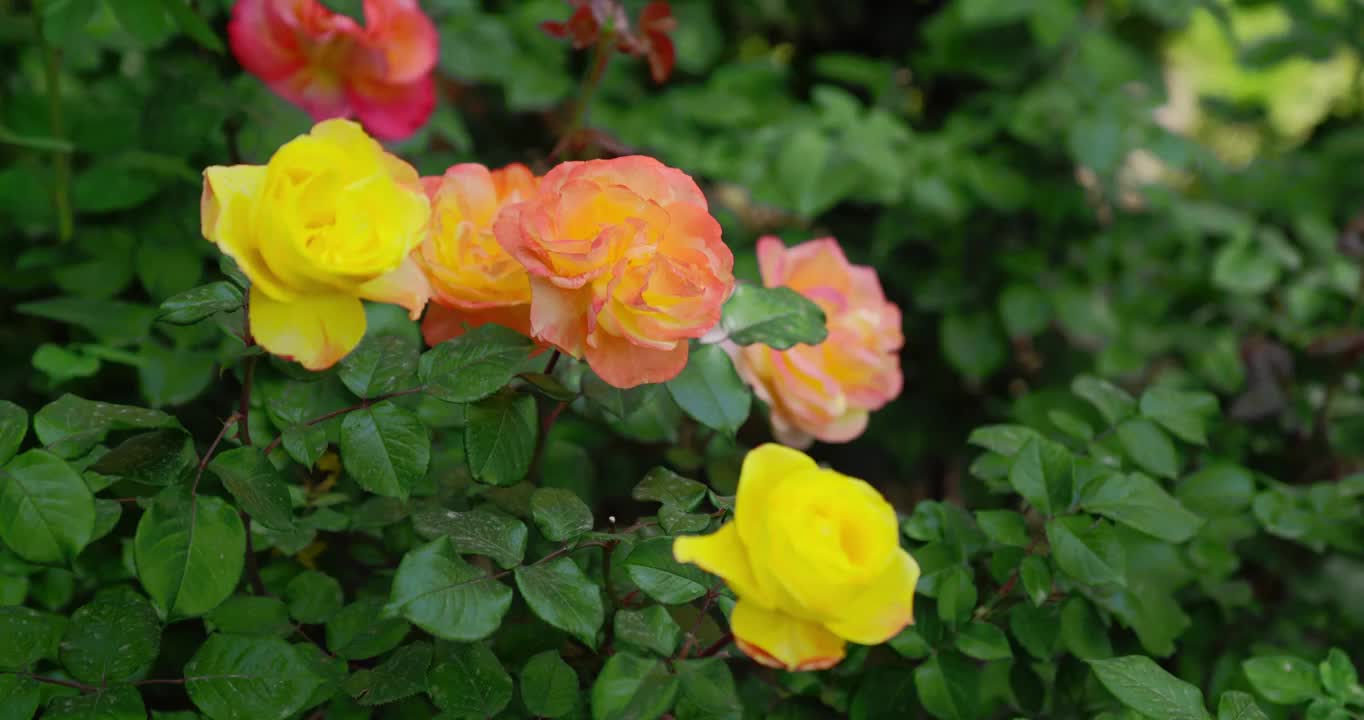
333, 67
814, 557
473, 280
826, 392
626, 265
331, 219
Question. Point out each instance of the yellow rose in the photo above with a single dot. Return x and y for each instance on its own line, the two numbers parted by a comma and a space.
330, 220
815, 559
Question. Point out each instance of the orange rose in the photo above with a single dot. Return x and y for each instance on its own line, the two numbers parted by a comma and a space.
473, 280
826, 391
626, 265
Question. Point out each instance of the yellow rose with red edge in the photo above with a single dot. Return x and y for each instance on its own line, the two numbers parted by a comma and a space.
331, 219
814, 557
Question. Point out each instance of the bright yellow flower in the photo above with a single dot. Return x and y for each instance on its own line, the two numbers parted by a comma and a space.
815, 558
330, 220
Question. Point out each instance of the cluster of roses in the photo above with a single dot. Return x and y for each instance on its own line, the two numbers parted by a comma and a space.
618, 262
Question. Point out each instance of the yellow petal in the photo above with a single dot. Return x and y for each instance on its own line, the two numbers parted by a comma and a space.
765, 467
227, 218
722, 553
778, 640
316, 331
406, 287
884, 608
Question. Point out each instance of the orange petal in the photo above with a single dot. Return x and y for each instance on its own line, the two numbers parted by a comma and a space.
443, 323
624, 364
559, 316
316, 331
782, 641
406, 287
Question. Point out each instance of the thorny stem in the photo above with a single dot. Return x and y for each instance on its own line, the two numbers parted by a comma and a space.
717, 646
208, 455
244, 406
61, 159
553, 360
600, 59
54, 681
368, 402
1007, 588
696, 624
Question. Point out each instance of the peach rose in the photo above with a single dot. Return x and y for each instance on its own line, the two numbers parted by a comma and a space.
825, 392
626, 265
473, 280
333, 67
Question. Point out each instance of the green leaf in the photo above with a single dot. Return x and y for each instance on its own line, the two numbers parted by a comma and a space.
1219, 489
949, 687
190, 551
233, 677
1338, 675
1185, 414
251, 615
779, 317
1139, 502
706, 691
47, 514
113, 638
470, 682
145, 20
1041, 473
1282, 679
1083, 633
665, 486
111, 185
379, 364
385, 448
549, 686
617, 403
119, 703
13, 429
481, 531
64, 20
160, 457
304, 443
445, 596
107, 515
547, 386
1005, 527
360, 630
256, 486
1003, 439
651, 567
29, 636
313, 597
651, 629
1112, 402
1024, 310
402, 675
559, 514
1236, 705
499, 440
474, 365
562, 595
21, 695
983, 641
972, 344
1087, 551
195, 304
1142, 685
630, 686
1149, 447
193, 25
1036, 577
710, 390
956, 595
71, 425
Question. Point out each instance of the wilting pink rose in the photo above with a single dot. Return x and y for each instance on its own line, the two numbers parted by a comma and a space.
825, 392
331, 66
626, 265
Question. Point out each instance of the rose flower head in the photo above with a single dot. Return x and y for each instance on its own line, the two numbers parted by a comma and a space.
814, 557
331, 219
473, 280
332, 67
826, 392
626, 265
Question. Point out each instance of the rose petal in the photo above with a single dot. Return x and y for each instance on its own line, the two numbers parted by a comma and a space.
724, 554
315, 331
782, 641
406, 287
624, 364
884, 608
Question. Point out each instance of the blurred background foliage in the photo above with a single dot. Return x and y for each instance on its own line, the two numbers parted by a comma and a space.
1159, 193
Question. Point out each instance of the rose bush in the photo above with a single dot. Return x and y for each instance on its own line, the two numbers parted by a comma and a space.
480, 422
